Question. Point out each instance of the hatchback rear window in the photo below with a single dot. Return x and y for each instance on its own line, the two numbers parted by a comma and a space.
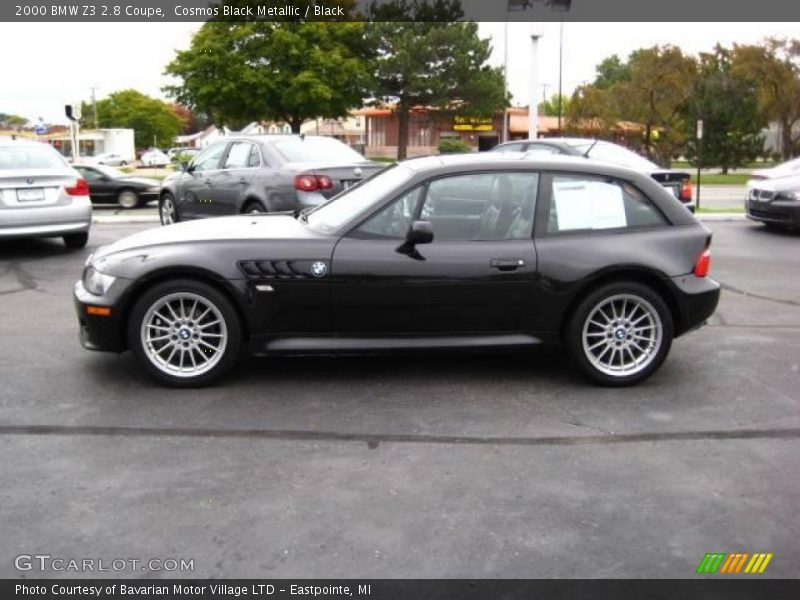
26, 156
317, 150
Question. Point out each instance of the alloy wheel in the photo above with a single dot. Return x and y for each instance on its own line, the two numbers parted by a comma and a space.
622, 335
184, 334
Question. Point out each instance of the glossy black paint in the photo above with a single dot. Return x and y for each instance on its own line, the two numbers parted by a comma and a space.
105, 189
372, 297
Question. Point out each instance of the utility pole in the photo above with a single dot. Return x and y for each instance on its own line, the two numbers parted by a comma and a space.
560, 69
94, 108
505, 83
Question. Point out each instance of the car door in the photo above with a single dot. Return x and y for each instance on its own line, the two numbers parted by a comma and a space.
199, 188
475, 277
238, 172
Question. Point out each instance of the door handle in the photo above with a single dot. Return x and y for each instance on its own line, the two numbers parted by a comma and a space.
207, 181
242, 180
507, 264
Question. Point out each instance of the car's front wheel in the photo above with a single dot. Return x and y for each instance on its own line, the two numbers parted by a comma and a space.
185, 333
620, 333
168, 209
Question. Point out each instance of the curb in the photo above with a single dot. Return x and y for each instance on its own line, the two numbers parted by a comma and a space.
122, 219
720, 217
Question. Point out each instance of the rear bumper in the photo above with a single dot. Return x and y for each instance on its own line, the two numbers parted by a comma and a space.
697, 299
47, 221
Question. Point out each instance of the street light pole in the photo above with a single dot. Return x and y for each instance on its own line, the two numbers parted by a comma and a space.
560, 69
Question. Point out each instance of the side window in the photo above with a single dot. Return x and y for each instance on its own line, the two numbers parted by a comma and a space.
542, 149
515, 147
580, 203
209, 158
238, 156
394, 220
481, 207
255, 157
88, 174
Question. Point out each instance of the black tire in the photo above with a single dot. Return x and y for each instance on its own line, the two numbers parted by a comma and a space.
125, 196
606, 338
76, 241
123, 163
253, 206
168, 197
227, 358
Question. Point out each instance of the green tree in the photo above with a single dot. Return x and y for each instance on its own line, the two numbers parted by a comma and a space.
150, 118
727, 103
431, 59
611, 71
550, 106
236, 72
12, 121
773, 65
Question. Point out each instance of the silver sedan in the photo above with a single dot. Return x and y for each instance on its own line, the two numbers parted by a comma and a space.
41, 195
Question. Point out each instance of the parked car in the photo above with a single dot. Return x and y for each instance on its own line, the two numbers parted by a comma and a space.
110, 159
268, 173
41, 195
775, 202
787, 169
109, 185
443, 253
677, 182
154, 158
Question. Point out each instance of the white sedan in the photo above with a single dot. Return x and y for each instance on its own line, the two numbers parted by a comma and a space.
154, 158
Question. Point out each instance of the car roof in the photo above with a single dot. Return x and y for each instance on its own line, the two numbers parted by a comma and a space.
269, 137
514, 160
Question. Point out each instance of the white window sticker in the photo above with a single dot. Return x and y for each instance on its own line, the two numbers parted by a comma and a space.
588, 205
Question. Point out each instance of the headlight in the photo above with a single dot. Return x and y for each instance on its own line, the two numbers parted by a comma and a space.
793, 195
95, 282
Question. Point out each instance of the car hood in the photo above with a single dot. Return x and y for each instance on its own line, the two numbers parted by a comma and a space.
275, 226
778, 184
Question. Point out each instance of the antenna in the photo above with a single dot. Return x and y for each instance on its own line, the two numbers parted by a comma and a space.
590, 148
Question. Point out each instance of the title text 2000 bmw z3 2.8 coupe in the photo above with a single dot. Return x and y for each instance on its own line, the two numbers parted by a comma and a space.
437, 253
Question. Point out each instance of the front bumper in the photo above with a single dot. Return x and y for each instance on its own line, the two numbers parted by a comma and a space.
697, 299
98, 332
778, 212
47, 221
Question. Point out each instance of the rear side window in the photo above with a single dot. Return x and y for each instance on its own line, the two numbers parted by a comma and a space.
238, 156
581, 203
30, 156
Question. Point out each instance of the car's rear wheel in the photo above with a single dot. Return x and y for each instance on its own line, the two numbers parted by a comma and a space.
76, 241
254, 207
185, 333
128, 199
620, 333
168, 209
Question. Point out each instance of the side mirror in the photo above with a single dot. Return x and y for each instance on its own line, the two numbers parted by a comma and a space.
420, 232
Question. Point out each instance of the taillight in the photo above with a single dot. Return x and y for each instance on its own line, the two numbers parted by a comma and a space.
312, 183
80, 188
686, 191
703, 264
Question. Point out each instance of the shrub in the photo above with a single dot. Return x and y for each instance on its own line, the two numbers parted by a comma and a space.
453, 146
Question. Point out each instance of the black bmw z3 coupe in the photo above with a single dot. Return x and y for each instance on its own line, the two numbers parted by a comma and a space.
436, 253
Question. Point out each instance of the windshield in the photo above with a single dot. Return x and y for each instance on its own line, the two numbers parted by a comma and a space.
30, 156
616, 154
109, 172
331, 216
328, 150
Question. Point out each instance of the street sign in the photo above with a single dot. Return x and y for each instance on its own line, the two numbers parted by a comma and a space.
700, 129
41, 130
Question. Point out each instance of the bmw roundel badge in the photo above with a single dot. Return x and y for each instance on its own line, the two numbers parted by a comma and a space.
319, 268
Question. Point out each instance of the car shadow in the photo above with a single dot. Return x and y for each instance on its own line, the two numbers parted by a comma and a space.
28, 248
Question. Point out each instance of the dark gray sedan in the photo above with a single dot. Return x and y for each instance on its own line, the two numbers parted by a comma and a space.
256, 174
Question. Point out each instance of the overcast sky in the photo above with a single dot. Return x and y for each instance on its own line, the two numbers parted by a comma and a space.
46, 65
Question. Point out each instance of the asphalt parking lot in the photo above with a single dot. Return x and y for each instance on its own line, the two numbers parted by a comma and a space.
437, 466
